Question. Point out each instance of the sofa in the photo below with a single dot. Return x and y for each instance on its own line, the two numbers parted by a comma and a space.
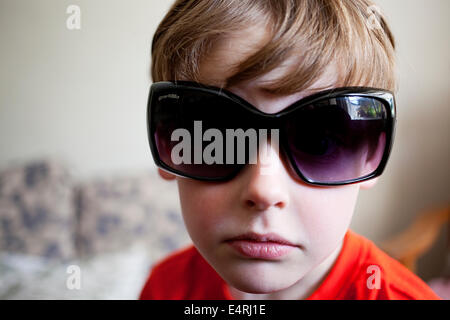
113, 229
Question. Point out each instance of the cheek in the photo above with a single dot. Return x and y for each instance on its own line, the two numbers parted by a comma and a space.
203, 206
327, 215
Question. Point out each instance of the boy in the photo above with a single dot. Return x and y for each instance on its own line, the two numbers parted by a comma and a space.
277, 228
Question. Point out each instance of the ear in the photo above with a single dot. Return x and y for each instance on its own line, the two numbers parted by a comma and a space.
368, 184
166, 175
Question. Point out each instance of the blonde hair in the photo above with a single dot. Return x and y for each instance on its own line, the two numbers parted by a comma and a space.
351, 33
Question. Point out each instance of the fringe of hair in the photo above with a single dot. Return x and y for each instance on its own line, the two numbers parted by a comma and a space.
353, 34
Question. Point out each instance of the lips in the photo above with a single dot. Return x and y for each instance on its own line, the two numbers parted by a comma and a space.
266, 246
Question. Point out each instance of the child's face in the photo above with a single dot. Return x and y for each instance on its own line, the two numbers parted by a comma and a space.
312, 219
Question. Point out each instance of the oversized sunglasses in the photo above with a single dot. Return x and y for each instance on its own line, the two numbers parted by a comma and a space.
333, 137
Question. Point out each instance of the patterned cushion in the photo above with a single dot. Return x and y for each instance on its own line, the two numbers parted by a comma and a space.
36, 211
117, 212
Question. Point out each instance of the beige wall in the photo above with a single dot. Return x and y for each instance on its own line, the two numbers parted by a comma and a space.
77, 94
418, 174
81, 95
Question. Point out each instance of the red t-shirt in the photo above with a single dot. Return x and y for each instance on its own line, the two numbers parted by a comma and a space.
185, 275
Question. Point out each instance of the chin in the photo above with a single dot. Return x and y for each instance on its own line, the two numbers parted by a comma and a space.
260, 286
258, 280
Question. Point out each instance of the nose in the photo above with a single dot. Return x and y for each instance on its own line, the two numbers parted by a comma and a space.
265, 184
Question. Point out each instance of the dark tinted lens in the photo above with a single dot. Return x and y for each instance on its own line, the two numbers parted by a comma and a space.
340, 139
189, 128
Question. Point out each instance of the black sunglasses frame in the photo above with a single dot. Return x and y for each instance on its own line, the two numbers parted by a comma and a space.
167, 87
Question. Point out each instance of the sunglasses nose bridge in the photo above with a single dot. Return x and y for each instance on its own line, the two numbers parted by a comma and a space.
265, 121
278, 122
271, 136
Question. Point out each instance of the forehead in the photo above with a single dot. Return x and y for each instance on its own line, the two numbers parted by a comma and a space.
229, 51
225, 56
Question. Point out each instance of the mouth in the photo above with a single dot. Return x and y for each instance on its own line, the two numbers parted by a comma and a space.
261, 246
